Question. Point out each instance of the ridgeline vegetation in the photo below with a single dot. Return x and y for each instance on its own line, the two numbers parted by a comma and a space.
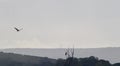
10, 59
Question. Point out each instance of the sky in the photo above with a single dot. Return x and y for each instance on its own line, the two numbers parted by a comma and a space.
59, 23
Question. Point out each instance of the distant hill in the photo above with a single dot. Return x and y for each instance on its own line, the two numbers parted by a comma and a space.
111, 54
10, 59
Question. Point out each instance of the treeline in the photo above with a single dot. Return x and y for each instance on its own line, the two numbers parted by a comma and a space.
89, 61
10, 59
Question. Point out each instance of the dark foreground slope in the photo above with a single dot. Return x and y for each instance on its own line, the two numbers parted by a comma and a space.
10, 59
88, 61
111, 54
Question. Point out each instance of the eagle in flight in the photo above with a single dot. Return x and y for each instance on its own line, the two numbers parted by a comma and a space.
17, 29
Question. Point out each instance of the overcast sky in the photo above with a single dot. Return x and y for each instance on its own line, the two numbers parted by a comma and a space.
60, 23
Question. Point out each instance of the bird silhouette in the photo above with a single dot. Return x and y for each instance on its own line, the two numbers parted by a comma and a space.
17, 29
66, 53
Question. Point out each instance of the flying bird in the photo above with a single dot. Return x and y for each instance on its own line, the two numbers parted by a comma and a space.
17, 29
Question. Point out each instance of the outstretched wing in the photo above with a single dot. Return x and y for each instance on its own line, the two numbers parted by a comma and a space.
16, 29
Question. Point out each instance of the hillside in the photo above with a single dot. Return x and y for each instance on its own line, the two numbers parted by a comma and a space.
111, 54
10, 59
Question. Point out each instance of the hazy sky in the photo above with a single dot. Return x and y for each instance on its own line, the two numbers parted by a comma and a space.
60, 23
